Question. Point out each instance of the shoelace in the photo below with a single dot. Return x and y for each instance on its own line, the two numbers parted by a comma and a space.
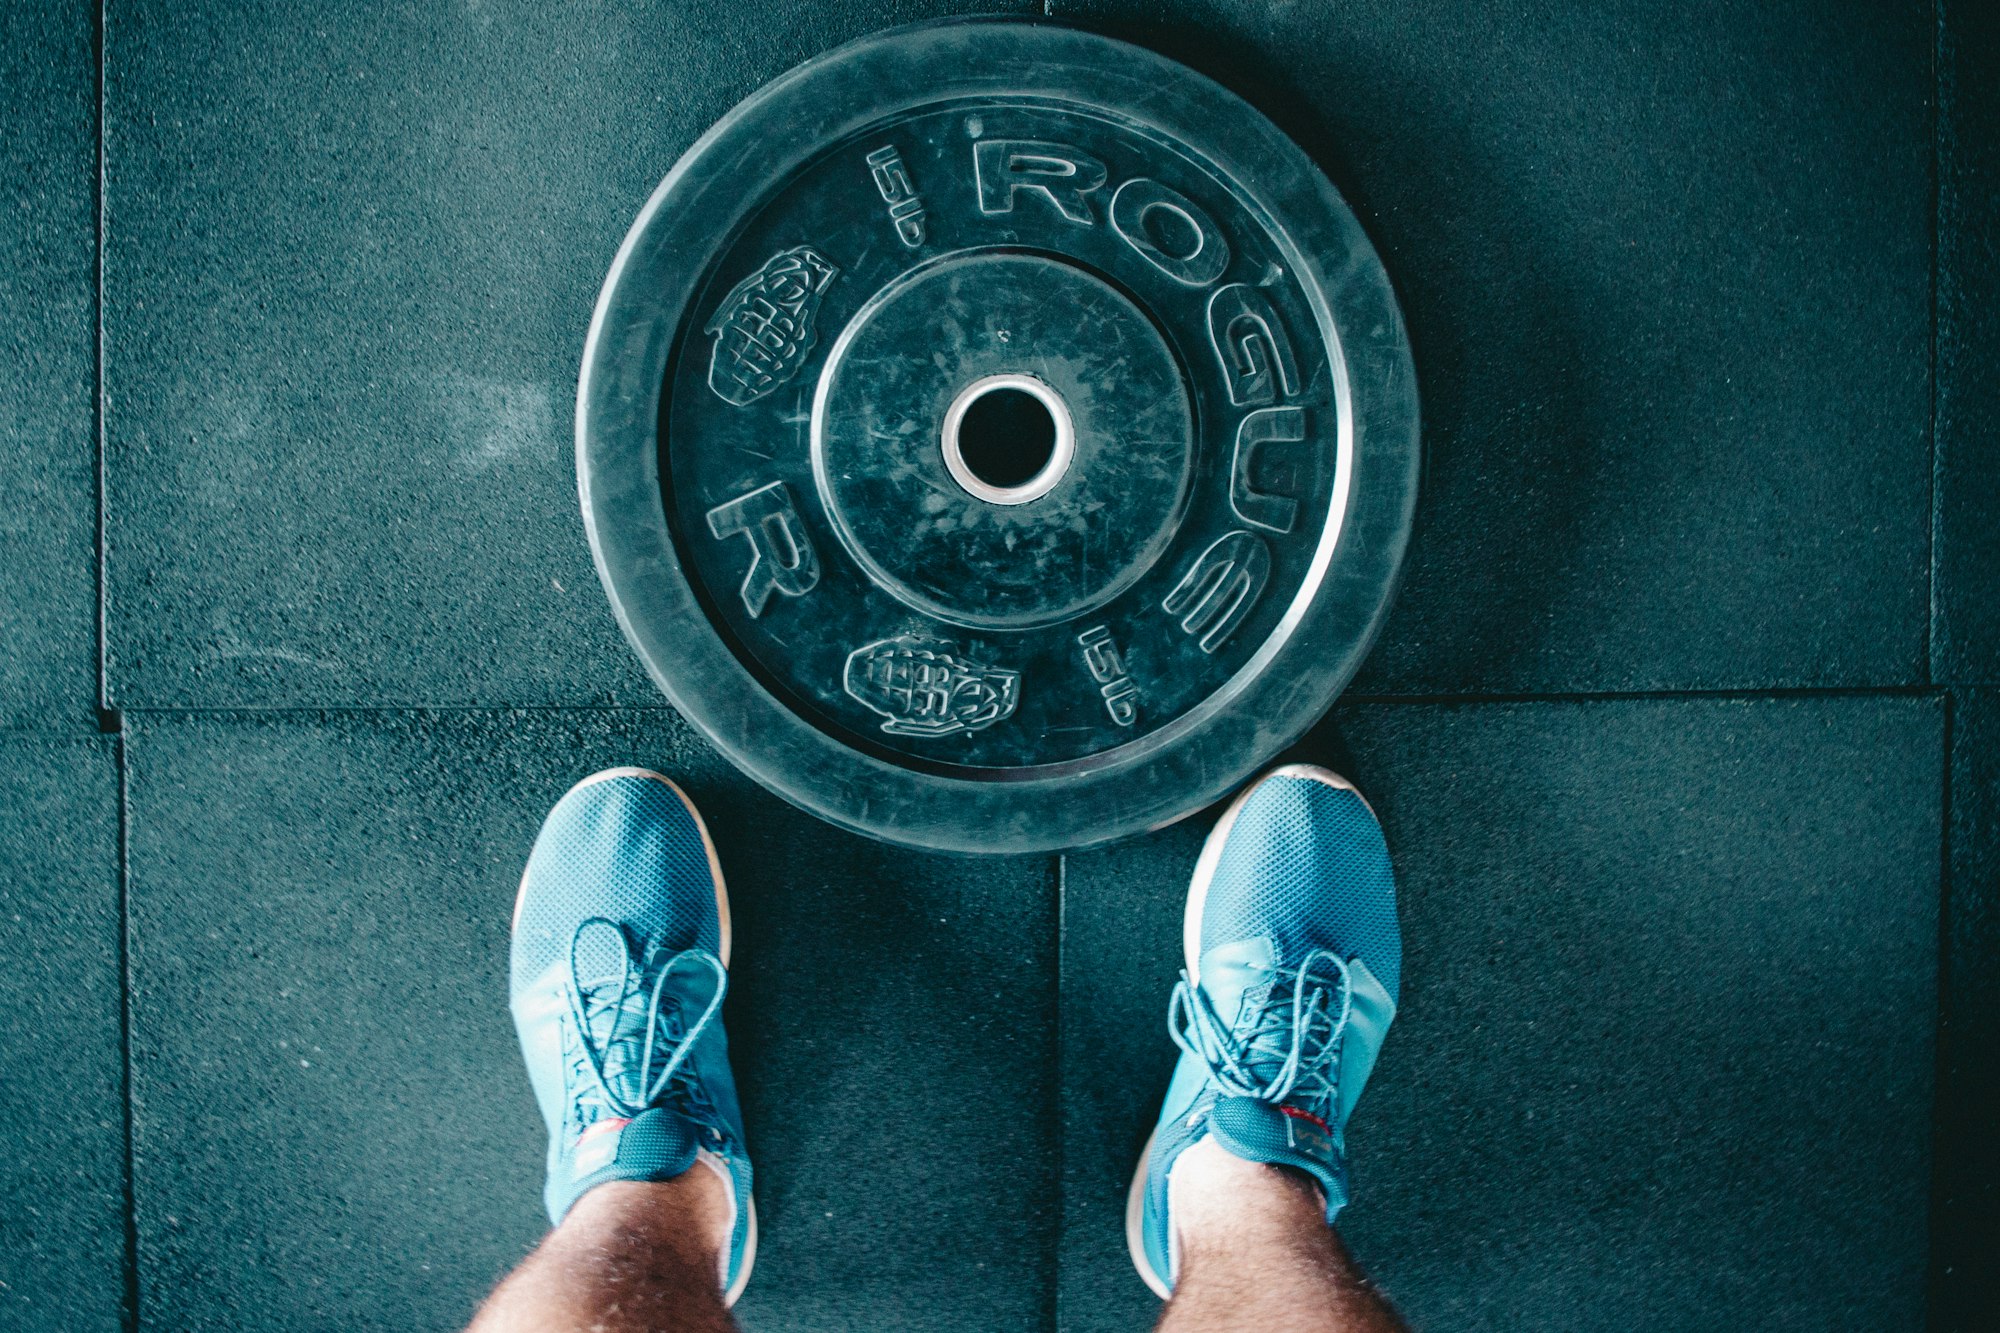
617, 993
1302, 1037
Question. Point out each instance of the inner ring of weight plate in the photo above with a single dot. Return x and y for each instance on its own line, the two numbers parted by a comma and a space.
988, 442
953, 334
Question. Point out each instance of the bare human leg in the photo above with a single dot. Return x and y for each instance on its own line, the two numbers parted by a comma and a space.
629, 1257
1256, 1253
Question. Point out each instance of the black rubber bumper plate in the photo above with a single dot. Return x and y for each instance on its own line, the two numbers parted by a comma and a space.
996, 437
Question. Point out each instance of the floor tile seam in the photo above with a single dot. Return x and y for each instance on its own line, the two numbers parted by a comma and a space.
1054, 1307
129, 1314
1915, 690
100, 455
1909, 691
383, 710
79, 731
1937, 1279
1935, 629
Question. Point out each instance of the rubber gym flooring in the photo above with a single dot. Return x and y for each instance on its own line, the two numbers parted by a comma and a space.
1686, 729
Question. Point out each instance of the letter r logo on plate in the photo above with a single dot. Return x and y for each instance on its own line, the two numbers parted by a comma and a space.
782, 558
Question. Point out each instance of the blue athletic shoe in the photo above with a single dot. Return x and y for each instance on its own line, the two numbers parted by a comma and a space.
621, 950
1294, 962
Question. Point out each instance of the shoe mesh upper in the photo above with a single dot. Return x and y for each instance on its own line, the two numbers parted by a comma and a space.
625, 848
1305, 863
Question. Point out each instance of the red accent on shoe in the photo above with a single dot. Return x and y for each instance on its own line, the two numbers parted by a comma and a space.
1297, 1114
606, 1126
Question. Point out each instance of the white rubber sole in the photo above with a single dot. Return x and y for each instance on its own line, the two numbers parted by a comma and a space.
722, 951
749, 1258
1204, 875
1135, 1223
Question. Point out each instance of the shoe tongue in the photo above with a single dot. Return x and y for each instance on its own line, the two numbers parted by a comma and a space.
1279, 1135
619, 1032
618, 1018
1241, 976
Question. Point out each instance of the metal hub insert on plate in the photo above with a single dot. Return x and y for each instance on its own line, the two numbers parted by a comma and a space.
997, 437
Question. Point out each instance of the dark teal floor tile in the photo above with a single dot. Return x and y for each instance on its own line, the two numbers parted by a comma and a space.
1966, 1183
351, 259
1666, 1053
333, 1129
62, 1078
1667, 277
1967, 627
1121, 953
898, 1043
48, 289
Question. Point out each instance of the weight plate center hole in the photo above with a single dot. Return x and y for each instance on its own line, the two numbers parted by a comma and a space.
1008, 439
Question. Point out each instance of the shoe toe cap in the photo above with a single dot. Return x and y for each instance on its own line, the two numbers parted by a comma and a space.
1305, 865
627, 846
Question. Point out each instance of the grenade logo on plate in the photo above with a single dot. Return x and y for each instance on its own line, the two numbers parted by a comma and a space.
925, 689
764, 327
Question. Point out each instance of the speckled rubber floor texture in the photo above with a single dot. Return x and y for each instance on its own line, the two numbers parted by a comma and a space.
1685, 731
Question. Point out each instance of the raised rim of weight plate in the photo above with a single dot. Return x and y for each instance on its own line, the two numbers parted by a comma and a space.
646, 298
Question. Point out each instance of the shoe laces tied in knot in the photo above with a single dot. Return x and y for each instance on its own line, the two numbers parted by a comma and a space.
621, 1031
1282, 1045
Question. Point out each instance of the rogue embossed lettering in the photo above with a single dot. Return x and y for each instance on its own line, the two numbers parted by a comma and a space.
1250, 342
782, 558
1265, 507
1061, 174
1134, 209
1220, 588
